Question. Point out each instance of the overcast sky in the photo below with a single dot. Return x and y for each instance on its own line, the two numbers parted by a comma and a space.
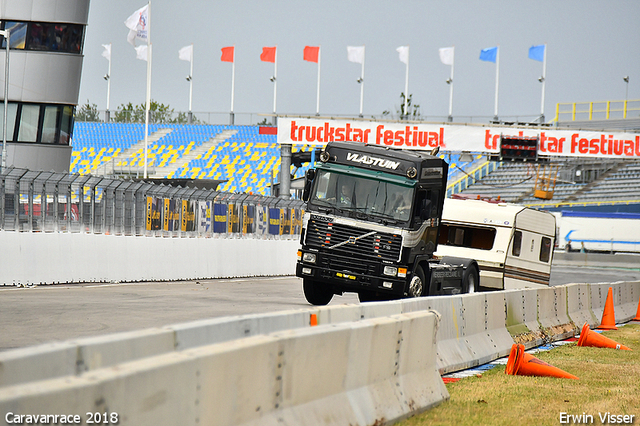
591, 46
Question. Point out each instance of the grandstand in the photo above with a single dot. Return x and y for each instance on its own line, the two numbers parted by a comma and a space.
579, 183
247, 160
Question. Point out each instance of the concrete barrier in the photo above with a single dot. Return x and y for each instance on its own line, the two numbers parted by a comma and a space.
626, 301
579, 305
474, 329
522, 317
63, 258
373, 371
77, 356
552, 313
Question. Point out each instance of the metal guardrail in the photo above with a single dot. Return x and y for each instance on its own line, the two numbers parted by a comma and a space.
37, 201
602, 110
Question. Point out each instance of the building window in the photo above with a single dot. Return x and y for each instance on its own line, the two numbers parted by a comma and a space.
37, 123
44, 36
18, 34
28, 127
11, 119
49, 124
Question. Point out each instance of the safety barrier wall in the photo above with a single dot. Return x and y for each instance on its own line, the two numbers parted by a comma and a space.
372, 371
552, 312
522, 317
474, 329
579, 304
35, 258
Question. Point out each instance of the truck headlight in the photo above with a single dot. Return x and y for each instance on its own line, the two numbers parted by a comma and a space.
309, 257
391, 271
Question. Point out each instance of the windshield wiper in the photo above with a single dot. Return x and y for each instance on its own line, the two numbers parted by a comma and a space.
326, 208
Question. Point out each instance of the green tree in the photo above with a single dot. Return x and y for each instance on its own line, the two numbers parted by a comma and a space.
413, 110
158, 113
88, 112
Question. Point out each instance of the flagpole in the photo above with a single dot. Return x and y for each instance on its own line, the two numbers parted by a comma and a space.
406, 87
362, 82
495, 109
450, 118
544, 79
191, 85
108, 113
148, 100
275, 83
318, 94
233, 81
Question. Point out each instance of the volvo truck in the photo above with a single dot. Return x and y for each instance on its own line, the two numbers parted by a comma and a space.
372, 225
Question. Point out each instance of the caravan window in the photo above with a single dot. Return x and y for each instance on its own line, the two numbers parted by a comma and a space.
517, 243
545, 249
467, 236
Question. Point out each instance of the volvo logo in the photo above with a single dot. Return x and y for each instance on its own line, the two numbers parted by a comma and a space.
352, 240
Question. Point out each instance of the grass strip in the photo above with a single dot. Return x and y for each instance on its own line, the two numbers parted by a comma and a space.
609, 383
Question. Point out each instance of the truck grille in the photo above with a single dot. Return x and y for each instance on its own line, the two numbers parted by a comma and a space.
351, 243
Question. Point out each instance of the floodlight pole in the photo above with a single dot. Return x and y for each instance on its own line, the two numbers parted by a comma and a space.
7, 35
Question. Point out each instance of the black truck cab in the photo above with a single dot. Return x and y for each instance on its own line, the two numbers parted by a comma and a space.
371, 225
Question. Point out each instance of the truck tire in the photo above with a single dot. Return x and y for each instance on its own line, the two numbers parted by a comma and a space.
418, 284
316, 293
470, 280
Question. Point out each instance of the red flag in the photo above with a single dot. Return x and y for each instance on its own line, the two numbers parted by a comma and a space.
227, 54
268, 54
311, 53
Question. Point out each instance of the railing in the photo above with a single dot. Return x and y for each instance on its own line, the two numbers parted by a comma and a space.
582, 204
458, 185
34, 201
254, 118
603, 110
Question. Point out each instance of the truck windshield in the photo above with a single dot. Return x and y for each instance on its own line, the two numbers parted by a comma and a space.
361, 197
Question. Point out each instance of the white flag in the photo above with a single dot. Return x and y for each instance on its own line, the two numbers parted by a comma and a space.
107, 51
141, 52
446, 55
355, 54
404, 54
138, 24
185, 53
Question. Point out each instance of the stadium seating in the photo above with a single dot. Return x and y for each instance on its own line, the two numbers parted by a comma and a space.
248, 160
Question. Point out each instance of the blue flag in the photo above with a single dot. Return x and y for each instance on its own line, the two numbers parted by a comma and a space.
489, 54
537, 52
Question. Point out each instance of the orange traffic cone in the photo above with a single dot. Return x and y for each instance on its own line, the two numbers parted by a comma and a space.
523, 364
637, 318
608, 316
591, 338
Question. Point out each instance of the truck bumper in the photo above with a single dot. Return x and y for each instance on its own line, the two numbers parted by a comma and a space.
343, 280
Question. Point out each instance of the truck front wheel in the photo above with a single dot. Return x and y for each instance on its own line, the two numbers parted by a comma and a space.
316, 293
471, 280
417, 284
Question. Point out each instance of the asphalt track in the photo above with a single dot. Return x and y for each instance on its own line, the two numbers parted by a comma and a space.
31, 316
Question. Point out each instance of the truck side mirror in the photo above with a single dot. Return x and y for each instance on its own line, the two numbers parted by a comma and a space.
424, 209
308, 180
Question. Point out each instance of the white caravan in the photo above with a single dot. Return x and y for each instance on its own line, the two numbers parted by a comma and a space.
512, 244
